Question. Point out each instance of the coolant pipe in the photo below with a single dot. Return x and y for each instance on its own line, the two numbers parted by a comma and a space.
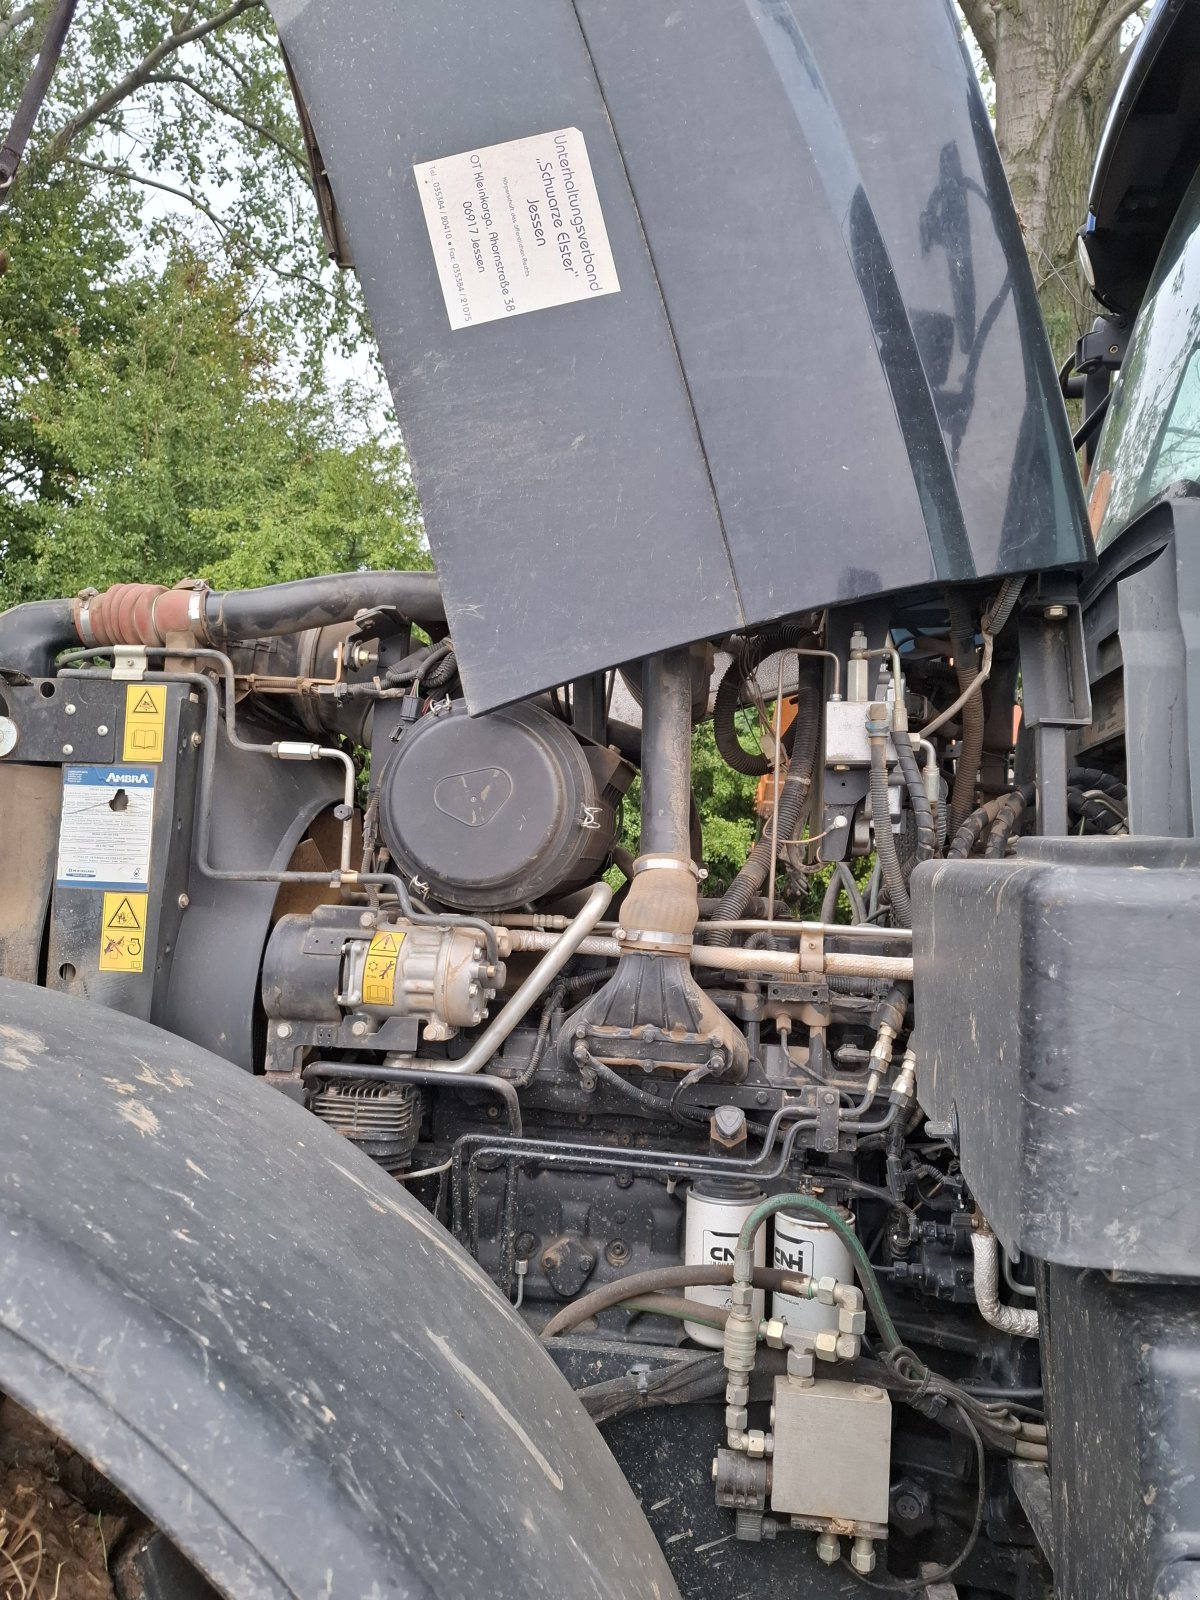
1020, 1321
835, 963
535, 985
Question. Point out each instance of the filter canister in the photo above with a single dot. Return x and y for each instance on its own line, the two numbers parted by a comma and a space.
715, 1213
807, 1244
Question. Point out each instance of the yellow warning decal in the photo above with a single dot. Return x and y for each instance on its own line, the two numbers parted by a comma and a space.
145, 714
379, 970
123, 932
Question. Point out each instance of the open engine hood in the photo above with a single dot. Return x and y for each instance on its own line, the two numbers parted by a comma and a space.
696, 312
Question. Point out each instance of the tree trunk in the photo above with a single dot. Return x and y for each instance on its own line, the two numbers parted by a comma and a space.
1055, 64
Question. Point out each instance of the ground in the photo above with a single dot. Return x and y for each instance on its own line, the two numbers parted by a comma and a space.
60, 1521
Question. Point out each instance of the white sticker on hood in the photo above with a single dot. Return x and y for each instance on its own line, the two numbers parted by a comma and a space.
516, 227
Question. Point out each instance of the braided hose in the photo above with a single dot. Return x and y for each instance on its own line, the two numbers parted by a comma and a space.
966, 668
885, 839
1020, 1321
921, 808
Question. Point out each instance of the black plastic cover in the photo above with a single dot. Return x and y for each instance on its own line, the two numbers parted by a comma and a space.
275, 1351
1055, 994
824, 375
1122, 1372
489, 812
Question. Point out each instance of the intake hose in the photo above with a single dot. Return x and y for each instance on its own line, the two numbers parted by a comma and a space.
966, 668
32, 635
316, 602
878, 718
793, 797
149, 614
747, 659
919, 800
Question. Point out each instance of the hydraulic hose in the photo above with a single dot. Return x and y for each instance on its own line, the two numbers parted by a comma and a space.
922, 811
751, 763
655, 1280
970, 832
966, 668
792, 799
885, 839
842, 878
1008, 814
744, 1258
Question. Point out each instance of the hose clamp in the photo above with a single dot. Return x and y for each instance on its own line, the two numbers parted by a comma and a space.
664, 864
83, 618
658, 943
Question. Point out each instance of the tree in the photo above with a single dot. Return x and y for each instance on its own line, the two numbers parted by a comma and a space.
1055, 64
175, 453
188, 105
164, 408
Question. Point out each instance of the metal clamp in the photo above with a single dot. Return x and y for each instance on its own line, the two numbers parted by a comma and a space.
665, 863
129, 662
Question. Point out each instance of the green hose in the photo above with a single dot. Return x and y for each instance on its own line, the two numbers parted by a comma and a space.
866, 1273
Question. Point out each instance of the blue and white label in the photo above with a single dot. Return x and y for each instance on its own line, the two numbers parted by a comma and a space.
107, 822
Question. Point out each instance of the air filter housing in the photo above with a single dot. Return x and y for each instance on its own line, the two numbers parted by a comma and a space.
490, 812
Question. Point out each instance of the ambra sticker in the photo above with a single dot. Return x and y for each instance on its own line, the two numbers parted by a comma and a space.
107, 819
516, 227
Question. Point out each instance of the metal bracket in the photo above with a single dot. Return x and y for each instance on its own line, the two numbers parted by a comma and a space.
129, 663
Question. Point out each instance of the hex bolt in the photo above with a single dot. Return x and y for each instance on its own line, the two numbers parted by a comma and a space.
284, 1031
358, 1029
829, 1548
196, 740
1055, 613
862, 1554
183, 902
367, 920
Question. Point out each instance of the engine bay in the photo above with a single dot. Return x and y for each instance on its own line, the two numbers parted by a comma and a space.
677, 1122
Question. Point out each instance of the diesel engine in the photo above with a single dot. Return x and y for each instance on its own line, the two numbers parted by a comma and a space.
686, 1126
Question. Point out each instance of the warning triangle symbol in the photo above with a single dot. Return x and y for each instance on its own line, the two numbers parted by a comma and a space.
383, 944
124, 916
145, 707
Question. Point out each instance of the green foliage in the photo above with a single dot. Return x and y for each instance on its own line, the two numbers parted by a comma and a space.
725, 800
176, 452
164, 409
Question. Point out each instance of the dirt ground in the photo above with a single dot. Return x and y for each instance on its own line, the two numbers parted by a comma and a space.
59, 1520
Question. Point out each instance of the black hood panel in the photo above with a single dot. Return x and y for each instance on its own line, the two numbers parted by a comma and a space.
824, 375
